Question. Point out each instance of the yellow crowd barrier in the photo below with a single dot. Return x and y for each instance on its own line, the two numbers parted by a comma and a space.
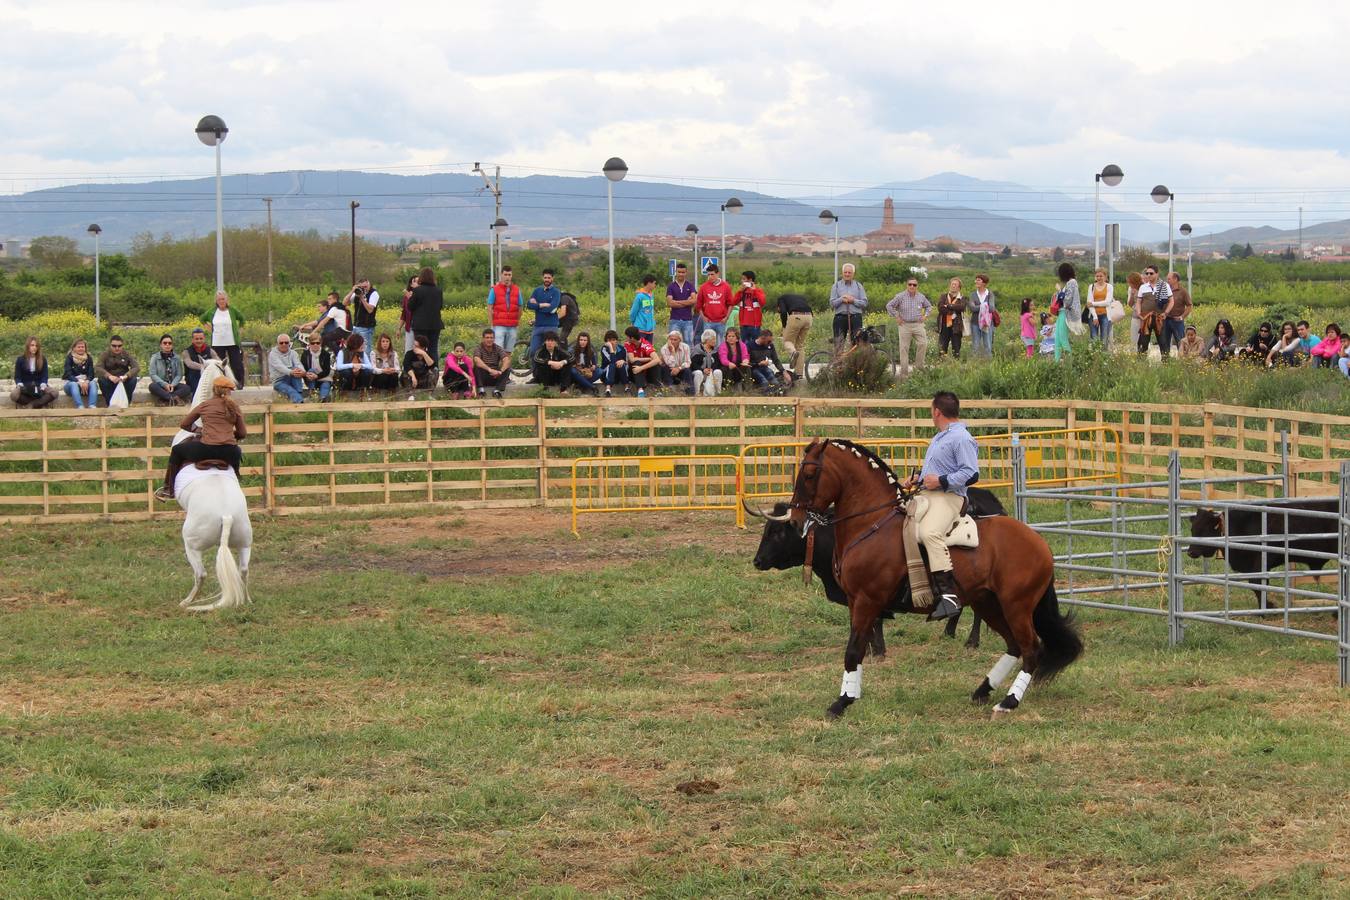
609, 484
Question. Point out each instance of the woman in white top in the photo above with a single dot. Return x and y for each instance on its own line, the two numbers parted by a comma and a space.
385, 366
227, 330
1099, 297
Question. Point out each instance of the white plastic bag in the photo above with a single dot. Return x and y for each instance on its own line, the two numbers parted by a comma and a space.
118, 400
1115, 311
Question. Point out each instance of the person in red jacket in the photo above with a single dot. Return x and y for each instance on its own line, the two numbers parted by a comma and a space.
504, 304
714, 302
751, 301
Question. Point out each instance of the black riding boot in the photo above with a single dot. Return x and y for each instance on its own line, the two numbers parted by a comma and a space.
945, 598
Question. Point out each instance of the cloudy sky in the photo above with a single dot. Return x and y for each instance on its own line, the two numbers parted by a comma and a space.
1237, 106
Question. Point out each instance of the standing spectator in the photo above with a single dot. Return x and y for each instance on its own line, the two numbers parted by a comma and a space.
794, 311
1047, 334
79, 376
405, 316
116, 366
765, 366
362, 300
30, 377
197, 354
491, 365
951, 327
1223, 344
680, 298
419, 367
1099, 298
458, 376
734, 358
982, 311
424, 306
585, 369
707, 371
714, 301
504, 305
642, 315
1068, 309
353, 364
1174, 313
286, 370
1284, 351
222, 429
385, 369
644, 366
1028, 327
675, 358
553, 363
332, 324
167, 382
909, 308
848, 299
1191, 347
614, 363
569, 314
546, 301
1259, 345
1135, 282
750, 299
1328, 350
1161, 297
317, 362
227, 330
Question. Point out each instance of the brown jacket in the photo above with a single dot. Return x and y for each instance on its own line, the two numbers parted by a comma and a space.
222, 421
111, 363
1181, 304
949, 306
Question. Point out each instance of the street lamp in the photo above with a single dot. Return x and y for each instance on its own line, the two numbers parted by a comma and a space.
1185, 230
355, 204
1112, 175
96, 231
615, 169
826, 217
1161, 194
496, 229
733, 206
692, 230
211, 131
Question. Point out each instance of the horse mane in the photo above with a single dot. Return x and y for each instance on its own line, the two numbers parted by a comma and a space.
873, 461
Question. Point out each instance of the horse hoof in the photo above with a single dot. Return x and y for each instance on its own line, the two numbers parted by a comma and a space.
999, 714
979, 699
879, 656
837, 707
972, 645
1005, 706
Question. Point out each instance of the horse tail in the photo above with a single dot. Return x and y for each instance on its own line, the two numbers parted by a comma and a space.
233, 592
1061, 643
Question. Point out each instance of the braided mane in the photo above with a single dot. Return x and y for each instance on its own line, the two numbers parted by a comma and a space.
873, 461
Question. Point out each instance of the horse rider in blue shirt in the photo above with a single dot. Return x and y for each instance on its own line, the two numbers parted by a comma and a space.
950, 465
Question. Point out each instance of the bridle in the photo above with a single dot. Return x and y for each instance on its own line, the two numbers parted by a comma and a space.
819, 517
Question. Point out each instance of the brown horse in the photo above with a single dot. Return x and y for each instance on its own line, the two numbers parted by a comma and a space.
1008, 580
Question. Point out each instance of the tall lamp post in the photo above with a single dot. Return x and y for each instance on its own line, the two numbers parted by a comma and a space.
1185, 230
498, 227
492, 254
826, 217
96, 231
211, 131
692, 230
1161, 194
615, 169
732, 206
1112, 175
355, 205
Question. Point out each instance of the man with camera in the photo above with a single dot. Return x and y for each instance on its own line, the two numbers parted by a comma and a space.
362, 300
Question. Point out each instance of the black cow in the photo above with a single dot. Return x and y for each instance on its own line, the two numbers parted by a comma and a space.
1242, 524
781, 547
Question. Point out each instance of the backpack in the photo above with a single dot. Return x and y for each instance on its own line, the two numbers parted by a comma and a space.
573, 311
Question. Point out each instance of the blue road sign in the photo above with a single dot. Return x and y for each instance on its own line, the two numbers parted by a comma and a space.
673, 263
706, 261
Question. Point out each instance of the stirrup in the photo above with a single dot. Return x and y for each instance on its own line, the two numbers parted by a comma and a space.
944, 607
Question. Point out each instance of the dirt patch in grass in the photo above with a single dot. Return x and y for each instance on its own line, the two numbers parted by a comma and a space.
57, 600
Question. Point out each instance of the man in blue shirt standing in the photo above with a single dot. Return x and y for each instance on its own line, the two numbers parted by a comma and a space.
545, 301
950, 465
643, 314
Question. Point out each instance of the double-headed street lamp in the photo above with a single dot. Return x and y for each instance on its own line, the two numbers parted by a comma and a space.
211, 131
732, 206
1161, 194
1112, 175
1185, 230
826, 217
96, 231
615, 169
692, 230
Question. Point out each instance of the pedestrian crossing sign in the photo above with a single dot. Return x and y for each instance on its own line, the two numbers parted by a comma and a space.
705, 262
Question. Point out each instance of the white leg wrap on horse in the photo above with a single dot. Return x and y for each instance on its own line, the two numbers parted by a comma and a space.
1019, 687
852, 686
1001, 670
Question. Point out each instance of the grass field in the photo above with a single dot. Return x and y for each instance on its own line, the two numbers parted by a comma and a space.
482, 705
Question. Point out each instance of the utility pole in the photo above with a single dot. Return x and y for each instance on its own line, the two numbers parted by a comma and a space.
268, 201
1300, 232
495, 186
355, 204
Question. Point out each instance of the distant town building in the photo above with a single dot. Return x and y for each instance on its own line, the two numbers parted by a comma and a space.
891, 237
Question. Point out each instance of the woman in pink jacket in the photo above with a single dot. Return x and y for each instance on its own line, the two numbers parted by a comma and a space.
1328, 350
734, 357
458, 378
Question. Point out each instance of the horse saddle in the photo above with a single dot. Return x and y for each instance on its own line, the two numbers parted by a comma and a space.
212, 464
963, 533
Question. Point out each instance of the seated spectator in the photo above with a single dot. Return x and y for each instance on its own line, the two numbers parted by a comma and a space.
318, 365
167, 380
1328, 350
1190, 346
703, 361
419, 367
1258, 345
1285, 350
585, 370
675, 360
116, 366
765, 366
491, 365
1222, 345
614, 363
79, 376
30, 377
353, 364
734, 358
1306, 339
197, 354
644, 364
286, 371
222, 429
552, 363
458, 376
385, 369
333, 322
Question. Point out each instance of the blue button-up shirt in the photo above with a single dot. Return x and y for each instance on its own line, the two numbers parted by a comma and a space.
952, 456
545, 302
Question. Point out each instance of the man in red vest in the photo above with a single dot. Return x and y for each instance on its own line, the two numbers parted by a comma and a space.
504, 304
714, 302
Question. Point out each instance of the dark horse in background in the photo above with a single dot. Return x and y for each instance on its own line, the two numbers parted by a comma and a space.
1008, 581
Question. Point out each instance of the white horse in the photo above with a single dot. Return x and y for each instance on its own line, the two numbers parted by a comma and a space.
217, 516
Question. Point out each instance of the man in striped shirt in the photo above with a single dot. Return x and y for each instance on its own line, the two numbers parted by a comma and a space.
909, 308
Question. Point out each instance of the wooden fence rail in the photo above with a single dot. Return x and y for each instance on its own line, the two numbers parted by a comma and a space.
64, 465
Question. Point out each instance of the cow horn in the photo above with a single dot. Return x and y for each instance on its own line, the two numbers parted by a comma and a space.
752, 512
